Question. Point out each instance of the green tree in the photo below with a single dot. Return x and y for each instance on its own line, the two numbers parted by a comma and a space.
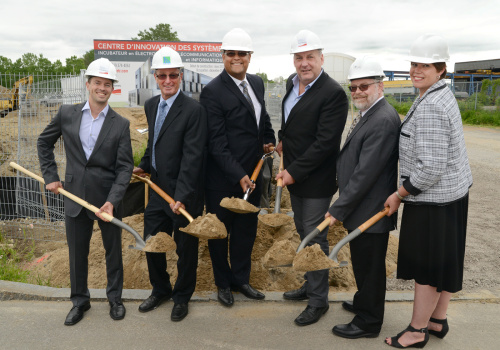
5, 64
263, 76
162, 32
88, 57
74, 64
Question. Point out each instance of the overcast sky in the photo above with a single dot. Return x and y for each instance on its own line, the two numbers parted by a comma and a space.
386, 28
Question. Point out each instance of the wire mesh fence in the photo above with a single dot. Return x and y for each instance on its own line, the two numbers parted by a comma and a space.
28, 103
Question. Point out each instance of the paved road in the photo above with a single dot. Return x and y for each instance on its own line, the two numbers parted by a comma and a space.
248, 325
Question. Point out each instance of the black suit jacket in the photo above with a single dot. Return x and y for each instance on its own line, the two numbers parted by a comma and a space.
367, 169
180, 151
105, 176
311, 137
235, 141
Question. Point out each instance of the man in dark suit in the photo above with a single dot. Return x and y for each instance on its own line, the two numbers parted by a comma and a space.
367, 174
98, 168
239, 131
314, 114
175, 159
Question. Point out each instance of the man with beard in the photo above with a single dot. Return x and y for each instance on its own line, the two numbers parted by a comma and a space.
367, 175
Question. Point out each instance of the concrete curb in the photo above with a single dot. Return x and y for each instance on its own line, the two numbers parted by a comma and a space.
22, 291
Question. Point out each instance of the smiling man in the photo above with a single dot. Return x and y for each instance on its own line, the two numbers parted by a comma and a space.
239, 132
98, 167
314, 115
174, 157
367, 174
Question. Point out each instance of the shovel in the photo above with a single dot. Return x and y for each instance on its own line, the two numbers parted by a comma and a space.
242, 206
333, 254
140, 244
273, 220
170, 200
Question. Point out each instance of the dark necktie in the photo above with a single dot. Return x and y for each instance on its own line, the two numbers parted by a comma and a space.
158, 124
244, 84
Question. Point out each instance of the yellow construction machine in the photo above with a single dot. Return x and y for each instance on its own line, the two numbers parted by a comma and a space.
9, 99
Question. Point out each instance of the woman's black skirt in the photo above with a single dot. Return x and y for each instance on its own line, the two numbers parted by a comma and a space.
432, 244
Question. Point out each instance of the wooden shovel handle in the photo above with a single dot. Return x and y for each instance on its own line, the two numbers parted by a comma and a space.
63, 192
280, 180
162, 194
374, 219
257, 170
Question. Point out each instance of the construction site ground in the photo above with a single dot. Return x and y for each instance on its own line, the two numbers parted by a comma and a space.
26, 320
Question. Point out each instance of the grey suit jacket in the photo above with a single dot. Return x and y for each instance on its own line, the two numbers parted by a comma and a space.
105, 176
367, 169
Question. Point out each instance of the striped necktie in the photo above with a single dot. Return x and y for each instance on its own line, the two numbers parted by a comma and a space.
158, 124
244, 84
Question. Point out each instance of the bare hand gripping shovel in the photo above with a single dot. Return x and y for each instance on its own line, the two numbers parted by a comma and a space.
277, 219
217, 229
140, 244
333, 254
240, 204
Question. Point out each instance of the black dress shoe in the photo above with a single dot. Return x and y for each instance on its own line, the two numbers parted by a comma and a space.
225, 296
250, 292
310, 315
352, 331
348, 306
75, 315
179, 311
117, 310
297, 294
152, 302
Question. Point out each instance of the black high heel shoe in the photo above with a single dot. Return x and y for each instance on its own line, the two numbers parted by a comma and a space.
443, 331
420, 344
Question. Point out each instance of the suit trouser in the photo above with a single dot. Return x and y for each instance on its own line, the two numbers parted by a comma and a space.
368, 253
157, 220
78, 234
242, 230
309, 213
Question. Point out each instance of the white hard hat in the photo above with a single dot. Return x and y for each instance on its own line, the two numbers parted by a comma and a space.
166, 57
103, 68
237, 39
429, 48
305, 40
365, 67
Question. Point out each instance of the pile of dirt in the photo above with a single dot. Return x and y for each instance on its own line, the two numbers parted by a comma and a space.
207, 227
138, 121
160, 243
281, 253
238, 205
312, 258
275, 219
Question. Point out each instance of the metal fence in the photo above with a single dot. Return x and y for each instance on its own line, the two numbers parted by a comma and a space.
468, 94
28, 103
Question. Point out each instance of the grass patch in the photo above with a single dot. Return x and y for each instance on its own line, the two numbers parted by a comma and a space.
10, 262
13, 256
139, 153
481, 117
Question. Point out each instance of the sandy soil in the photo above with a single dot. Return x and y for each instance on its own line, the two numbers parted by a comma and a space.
482, 261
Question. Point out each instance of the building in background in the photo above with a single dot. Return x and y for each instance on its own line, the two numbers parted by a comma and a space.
132, 59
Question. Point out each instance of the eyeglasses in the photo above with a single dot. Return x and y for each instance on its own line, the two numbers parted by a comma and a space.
234, 53
362, 87
172, 76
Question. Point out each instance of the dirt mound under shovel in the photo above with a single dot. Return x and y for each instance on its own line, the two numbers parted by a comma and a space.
160, 243
238, 205
206, 226
312, 258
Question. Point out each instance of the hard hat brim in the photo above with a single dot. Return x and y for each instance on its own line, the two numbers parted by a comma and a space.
427, 60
